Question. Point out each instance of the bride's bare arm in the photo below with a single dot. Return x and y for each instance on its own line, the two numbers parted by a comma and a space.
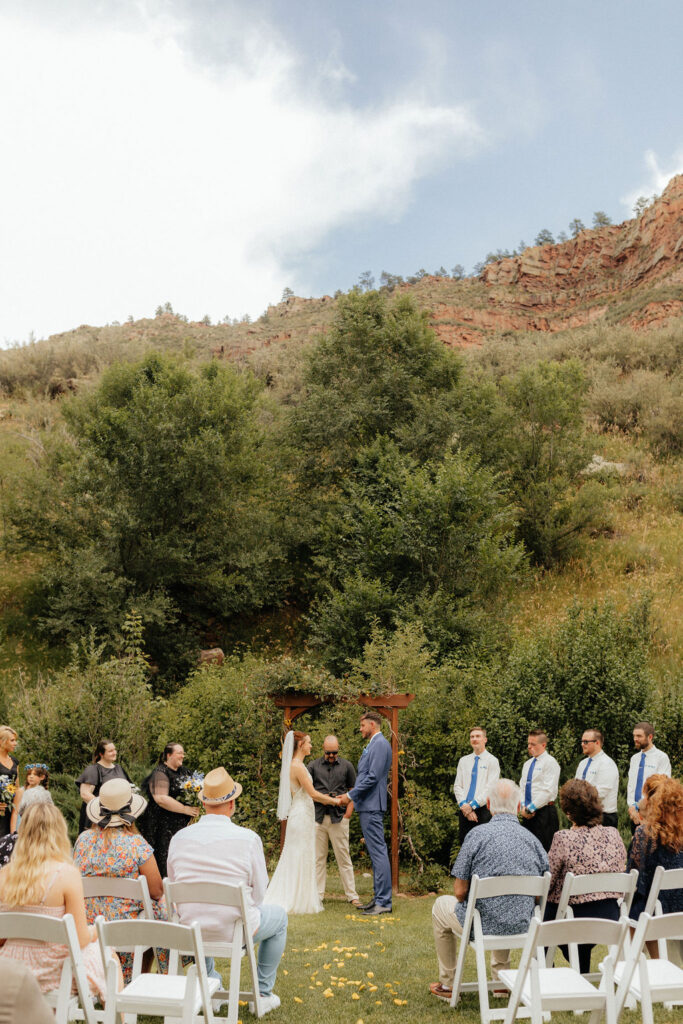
299, 772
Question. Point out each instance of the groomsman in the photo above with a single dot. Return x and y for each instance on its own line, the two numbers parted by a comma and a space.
645, 762
475, 774
601, 771
539, 784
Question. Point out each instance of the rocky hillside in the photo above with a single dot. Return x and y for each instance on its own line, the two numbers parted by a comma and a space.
630, 274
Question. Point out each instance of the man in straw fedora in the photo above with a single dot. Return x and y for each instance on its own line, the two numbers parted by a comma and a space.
217, 850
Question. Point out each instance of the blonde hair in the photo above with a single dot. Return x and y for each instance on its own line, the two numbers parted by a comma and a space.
6, 733
42, 837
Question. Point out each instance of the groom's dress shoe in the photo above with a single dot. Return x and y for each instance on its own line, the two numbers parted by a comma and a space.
376, 909
366, 906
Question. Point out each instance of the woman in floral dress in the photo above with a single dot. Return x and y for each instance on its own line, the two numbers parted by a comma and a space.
113, 848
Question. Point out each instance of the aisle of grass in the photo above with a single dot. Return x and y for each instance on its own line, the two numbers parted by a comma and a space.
340, 968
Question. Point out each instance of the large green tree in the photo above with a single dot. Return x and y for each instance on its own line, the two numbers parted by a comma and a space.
161, 503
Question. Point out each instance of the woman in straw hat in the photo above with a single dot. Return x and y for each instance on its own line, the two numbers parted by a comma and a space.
113, 848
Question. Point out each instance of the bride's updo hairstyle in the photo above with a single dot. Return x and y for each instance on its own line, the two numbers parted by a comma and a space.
299, 737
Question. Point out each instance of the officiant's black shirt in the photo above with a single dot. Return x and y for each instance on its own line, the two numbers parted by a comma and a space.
333, 779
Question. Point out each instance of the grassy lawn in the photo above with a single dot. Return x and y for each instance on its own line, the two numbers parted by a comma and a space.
376, 969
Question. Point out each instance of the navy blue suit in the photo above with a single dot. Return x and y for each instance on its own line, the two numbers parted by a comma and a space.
369, 797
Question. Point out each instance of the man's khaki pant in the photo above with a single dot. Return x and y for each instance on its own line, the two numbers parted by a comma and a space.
447, 931
338, 834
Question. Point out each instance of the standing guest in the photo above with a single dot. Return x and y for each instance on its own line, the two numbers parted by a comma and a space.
216, 850
113, 848
589, 847
539, 783
500, 847
41, 879
475, 774
369, 796
165, 814
658, 841
92, 778
333, 775
9, 769
647, 761
601, 771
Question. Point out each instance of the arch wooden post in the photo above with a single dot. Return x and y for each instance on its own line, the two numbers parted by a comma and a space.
295, 704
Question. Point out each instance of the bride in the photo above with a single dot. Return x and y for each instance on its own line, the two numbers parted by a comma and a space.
293, 885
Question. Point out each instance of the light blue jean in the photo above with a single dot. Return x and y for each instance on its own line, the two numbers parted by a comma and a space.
271, 938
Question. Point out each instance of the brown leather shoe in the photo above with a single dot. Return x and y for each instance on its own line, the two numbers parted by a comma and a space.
438, 990
356, 903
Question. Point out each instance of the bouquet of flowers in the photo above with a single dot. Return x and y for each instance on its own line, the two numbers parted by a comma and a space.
7, 791
190, 788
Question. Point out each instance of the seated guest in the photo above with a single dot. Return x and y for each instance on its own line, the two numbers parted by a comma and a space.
587, 848
217, 850
113, 848
500, 847
21, 1001
41, 879
658, 841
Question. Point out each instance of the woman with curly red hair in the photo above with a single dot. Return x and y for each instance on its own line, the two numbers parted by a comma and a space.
658, 842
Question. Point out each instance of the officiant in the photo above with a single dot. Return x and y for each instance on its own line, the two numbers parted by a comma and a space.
333, 775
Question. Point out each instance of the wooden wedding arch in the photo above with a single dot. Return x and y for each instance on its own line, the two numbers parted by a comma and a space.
295, 704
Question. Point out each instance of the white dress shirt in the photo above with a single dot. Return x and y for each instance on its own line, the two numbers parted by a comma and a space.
656, 763
213, 849
544, 781
488, 773
604, 775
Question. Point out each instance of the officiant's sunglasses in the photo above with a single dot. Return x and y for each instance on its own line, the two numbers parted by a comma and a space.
330, 753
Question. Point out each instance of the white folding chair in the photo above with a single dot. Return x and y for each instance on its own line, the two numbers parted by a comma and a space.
241, 944
487, 888
662, 880
181, 996
40, 927
650, 981
543, 990
580, 885
123, 888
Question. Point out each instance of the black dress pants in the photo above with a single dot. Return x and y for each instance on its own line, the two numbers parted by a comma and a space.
543, 825
606, 909
465, 826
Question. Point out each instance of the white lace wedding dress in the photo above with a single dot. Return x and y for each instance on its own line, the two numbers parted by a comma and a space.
294, 885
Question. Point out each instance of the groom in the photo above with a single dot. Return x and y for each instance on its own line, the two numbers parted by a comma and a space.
369, 796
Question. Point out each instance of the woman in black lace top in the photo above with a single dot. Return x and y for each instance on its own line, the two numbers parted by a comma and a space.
165, 814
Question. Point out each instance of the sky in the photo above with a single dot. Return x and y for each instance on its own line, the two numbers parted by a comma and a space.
211, 153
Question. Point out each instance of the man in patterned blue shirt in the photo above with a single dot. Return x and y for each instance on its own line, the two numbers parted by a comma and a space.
501, 847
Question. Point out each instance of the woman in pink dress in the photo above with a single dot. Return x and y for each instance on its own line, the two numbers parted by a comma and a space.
41, 878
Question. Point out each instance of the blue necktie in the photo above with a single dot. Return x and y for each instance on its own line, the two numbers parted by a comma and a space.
473, 781
639, 780
585, 770
527, 788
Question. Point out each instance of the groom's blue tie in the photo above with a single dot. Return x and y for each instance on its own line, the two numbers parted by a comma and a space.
473, 781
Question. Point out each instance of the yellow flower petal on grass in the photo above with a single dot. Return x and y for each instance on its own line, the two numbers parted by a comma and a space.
370, 974
328, 993
355, 996
297, 1000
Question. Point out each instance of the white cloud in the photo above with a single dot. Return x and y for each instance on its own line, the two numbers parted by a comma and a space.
133, 175
658, 177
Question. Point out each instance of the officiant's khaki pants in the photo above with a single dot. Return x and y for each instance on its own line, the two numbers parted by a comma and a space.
338, 834
447, 931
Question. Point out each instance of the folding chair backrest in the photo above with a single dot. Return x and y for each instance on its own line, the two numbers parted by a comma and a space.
581, 885
664, 926
132, 932
595, 930
61, 931
510, 885
122, 888
662, 880
218, 893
